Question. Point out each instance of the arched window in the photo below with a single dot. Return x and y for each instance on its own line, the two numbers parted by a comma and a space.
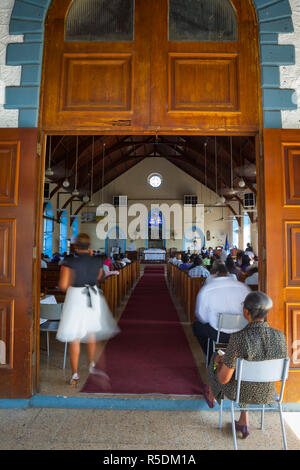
235, 233
202, 20
75, 226
247, 230
48, 230
63, 236
100, 20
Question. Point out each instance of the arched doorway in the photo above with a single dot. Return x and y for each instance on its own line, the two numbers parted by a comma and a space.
167, 65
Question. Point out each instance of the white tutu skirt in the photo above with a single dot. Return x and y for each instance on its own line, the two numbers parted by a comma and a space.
85, 314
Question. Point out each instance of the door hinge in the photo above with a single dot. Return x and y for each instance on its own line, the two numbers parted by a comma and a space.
39, 149
34, 252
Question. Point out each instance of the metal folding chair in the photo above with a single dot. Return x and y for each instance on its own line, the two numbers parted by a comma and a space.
227, 321
52, 313
273, 370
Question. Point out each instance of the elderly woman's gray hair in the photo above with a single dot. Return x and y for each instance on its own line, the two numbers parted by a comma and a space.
258, 305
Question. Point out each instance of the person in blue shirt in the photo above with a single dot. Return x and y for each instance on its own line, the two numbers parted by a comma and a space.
185, 262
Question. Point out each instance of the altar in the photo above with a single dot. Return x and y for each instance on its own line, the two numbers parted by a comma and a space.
155, 254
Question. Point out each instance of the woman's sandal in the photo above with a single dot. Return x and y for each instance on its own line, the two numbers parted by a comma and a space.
243, 429
74, 379
205, 393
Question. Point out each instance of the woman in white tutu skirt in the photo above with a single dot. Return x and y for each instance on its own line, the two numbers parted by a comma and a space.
86, 317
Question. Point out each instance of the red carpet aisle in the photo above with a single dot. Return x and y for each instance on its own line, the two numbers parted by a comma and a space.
151, 355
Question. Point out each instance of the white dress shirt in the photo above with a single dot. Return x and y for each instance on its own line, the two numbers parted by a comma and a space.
252, 280
221, 295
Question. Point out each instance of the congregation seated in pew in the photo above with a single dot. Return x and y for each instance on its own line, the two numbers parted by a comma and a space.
252, 276
185, 262
197, 269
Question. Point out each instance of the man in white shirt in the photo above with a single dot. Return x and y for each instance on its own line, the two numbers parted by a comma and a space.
222, 294
252, 278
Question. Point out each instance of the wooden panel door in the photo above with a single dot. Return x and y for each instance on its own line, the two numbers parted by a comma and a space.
210, 86
93, 84
151, 84
282, 226
17, 237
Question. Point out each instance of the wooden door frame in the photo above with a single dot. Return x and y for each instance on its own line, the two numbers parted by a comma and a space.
40, 200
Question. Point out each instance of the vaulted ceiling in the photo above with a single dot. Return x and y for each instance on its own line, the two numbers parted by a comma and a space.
91, 162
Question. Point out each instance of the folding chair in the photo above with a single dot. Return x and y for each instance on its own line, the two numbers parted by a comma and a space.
51, 313
227, 321
273, 370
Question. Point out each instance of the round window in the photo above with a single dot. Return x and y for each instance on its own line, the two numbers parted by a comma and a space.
155, 180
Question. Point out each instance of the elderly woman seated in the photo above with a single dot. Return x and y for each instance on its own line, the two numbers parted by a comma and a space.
256, 342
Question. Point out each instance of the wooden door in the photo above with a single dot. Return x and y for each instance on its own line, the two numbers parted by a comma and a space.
282, 226
207, 85
18, 150
95, 84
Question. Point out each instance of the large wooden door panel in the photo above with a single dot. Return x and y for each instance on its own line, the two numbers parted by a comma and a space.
282, 205
17, 235
95, 85
151, 83
205, 85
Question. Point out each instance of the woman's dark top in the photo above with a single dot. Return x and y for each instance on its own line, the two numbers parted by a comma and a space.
85, 268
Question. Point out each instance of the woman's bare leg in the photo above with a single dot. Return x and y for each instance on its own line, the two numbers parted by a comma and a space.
244, 419
91, 348
74, 355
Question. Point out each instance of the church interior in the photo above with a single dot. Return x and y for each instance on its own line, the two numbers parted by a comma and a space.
214, 173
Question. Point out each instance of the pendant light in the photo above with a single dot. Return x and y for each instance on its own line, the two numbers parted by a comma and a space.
49, 172
221, 199
66, 182
241, 181
92, 204
231, 190
76, 192
101, 194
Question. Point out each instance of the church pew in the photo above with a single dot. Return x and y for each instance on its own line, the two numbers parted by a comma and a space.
185, 288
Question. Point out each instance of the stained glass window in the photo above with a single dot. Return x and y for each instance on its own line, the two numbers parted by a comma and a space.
202, 20
155, 218
100, 20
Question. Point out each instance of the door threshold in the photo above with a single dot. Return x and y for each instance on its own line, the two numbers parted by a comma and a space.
131, 403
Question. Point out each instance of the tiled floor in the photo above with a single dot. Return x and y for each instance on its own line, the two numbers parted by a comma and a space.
85, 429
76, 429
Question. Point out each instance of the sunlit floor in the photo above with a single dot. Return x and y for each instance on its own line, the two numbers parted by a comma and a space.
86, 429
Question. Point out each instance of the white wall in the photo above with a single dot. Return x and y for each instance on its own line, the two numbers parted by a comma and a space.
176, 184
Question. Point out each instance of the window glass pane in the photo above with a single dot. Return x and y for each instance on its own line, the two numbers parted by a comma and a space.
202, 20
247, 230
235, 233
100, 20
63, 239
48, 231
75, 227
